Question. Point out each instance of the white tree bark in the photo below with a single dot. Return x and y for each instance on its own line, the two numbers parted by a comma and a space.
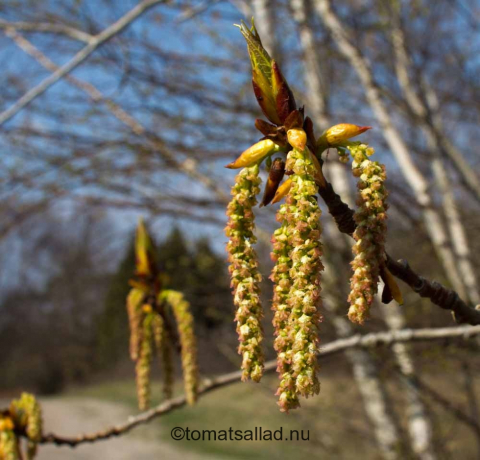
419, 425
374, 395
417, 181
429, 117
263, 12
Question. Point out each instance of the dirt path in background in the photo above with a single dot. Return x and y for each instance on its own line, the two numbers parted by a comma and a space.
71, 416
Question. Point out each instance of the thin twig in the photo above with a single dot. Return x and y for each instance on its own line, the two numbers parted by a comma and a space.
47, 27
83, 54
440, 295
337, 346
447, 404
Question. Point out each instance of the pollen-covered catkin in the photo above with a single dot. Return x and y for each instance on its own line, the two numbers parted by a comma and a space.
9, 445
369, 235
297, 252
144, 361
188, 343
282, 283
303, 219
163, 347
167, 366
26, 415
135, 316
245, 277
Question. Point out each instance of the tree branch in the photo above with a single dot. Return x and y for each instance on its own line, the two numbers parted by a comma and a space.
357, 341
47, 27
440, 295
83, 54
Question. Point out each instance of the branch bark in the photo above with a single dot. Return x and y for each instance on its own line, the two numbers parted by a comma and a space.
357, 341
440, 295
80, 57
46, 27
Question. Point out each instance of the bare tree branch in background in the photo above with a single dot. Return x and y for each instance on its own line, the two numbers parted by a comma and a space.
424, 113
52, 28
83, 54
340, 345
412, 174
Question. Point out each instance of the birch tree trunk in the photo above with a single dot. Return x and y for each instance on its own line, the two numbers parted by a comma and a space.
419, 425
377, 406
417, 181
264, 14
426, 112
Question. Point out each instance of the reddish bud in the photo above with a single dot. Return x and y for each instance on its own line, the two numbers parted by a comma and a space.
267, 129
275, 176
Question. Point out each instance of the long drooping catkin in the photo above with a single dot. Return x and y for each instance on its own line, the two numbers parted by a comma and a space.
282, 283
188, 343
304, 299
135, 316
245, 277
164, 349
144, 361
296, 277
369, 235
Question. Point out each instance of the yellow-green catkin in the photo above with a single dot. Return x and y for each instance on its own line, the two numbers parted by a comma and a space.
304, 298
282, 283
135, 317
168, 367
9, 445
298, 250
245, 277
158, 328
188, 343
164, 349
144, 361
27, 416
370, 217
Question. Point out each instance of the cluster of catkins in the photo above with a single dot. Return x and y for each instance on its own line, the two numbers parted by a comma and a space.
297, 249
22, 418
151, 312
